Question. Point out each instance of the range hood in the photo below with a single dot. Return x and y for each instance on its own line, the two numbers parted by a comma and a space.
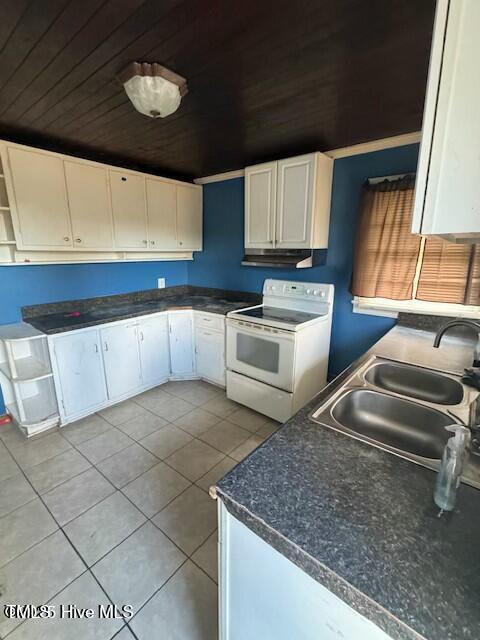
283, 258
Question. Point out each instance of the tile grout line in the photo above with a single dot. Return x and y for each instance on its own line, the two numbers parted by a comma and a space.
61, 528
148, 519
94, 465
138, 508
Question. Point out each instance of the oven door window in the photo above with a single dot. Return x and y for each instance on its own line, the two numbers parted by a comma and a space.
258, 352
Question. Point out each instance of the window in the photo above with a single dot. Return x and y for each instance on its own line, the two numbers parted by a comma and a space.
397, 270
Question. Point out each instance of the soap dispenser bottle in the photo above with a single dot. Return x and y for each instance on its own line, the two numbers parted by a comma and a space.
451, 468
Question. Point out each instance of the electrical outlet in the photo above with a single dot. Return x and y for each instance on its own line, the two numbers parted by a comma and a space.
161, 283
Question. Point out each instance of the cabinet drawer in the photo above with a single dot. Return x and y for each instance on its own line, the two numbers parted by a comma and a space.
210, 321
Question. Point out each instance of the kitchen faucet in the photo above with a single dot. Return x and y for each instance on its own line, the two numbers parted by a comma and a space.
465, 323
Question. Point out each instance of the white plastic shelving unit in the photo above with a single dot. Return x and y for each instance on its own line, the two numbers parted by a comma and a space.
26, 378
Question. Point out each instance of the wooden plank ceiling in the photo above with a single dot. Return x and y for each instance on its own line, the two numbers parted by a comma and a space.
267, 78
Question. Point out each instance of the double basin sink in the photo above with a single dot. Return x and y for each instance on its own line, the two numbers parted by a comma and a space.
403, 409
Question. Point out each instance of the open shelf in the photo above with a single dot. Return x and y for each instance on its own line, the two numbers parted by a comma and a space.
41, 416
24, 356
28, 368
6, 227
7, 233
19, 331
27, 378
4, 203
33, 405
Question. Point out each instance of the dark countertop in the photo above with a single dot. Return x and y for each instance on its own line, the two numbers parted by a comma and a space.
58, 317
362, 521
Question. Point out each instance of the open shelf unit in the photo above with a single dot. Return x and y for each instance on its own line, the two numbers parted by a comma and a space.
7, 235
27, 379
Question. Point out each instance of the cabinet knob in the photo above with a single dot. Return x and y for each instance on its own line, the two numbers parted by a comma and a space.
144, 241
78, 239
66, 238
180, 243
152, 241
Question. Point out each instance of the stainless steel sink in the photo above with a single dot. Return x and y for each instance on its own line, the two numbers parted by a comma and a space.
402, 409
415, 382
395, 422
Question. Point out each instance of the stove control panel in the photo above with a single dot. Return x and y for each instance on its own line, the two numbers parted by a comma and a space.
298, 290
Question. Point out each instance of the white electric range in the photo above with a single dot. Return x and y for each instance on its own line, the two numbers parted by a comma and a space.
277, 352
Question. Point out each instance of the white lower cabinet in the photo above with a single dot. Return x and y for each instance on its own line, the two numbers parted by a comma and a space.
154, 349
182, 353
96, 367
264, 595
78, 372
210, 355
121, 356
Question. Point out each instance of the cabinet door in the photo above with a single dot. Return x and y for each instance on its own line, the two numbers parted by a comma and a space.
122, 359
181, 344
189, 218
154, 349
129, 210
210, 355
260, 199
79, 372
294, 223
162, 215
265, 595
447, 190
87, 190
41, 199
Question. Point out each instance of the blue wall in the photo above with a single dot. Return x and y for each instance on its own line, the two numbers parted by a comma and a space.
26, 285
219, 263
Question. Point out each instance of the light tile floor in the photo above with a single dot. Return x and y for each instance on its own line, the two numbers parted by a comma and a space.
114, 509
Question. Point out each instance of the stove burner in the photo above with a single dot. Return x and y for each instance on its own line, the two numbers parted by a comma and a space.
289, 316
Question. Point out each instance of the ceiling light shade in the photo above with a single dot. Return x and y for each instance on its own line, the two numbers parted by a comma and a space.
153, 90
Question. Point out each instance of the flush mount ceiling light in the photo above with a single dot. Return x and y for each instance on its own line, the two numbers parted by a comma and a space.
153, 90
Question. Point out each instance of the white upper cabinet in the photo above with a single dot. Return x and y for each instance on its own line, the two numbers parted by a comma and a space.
447, 194
89, 203
41, 217
162, 214
295, 190
55, 203
129, 210
260, 198
287, 203
189, 218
